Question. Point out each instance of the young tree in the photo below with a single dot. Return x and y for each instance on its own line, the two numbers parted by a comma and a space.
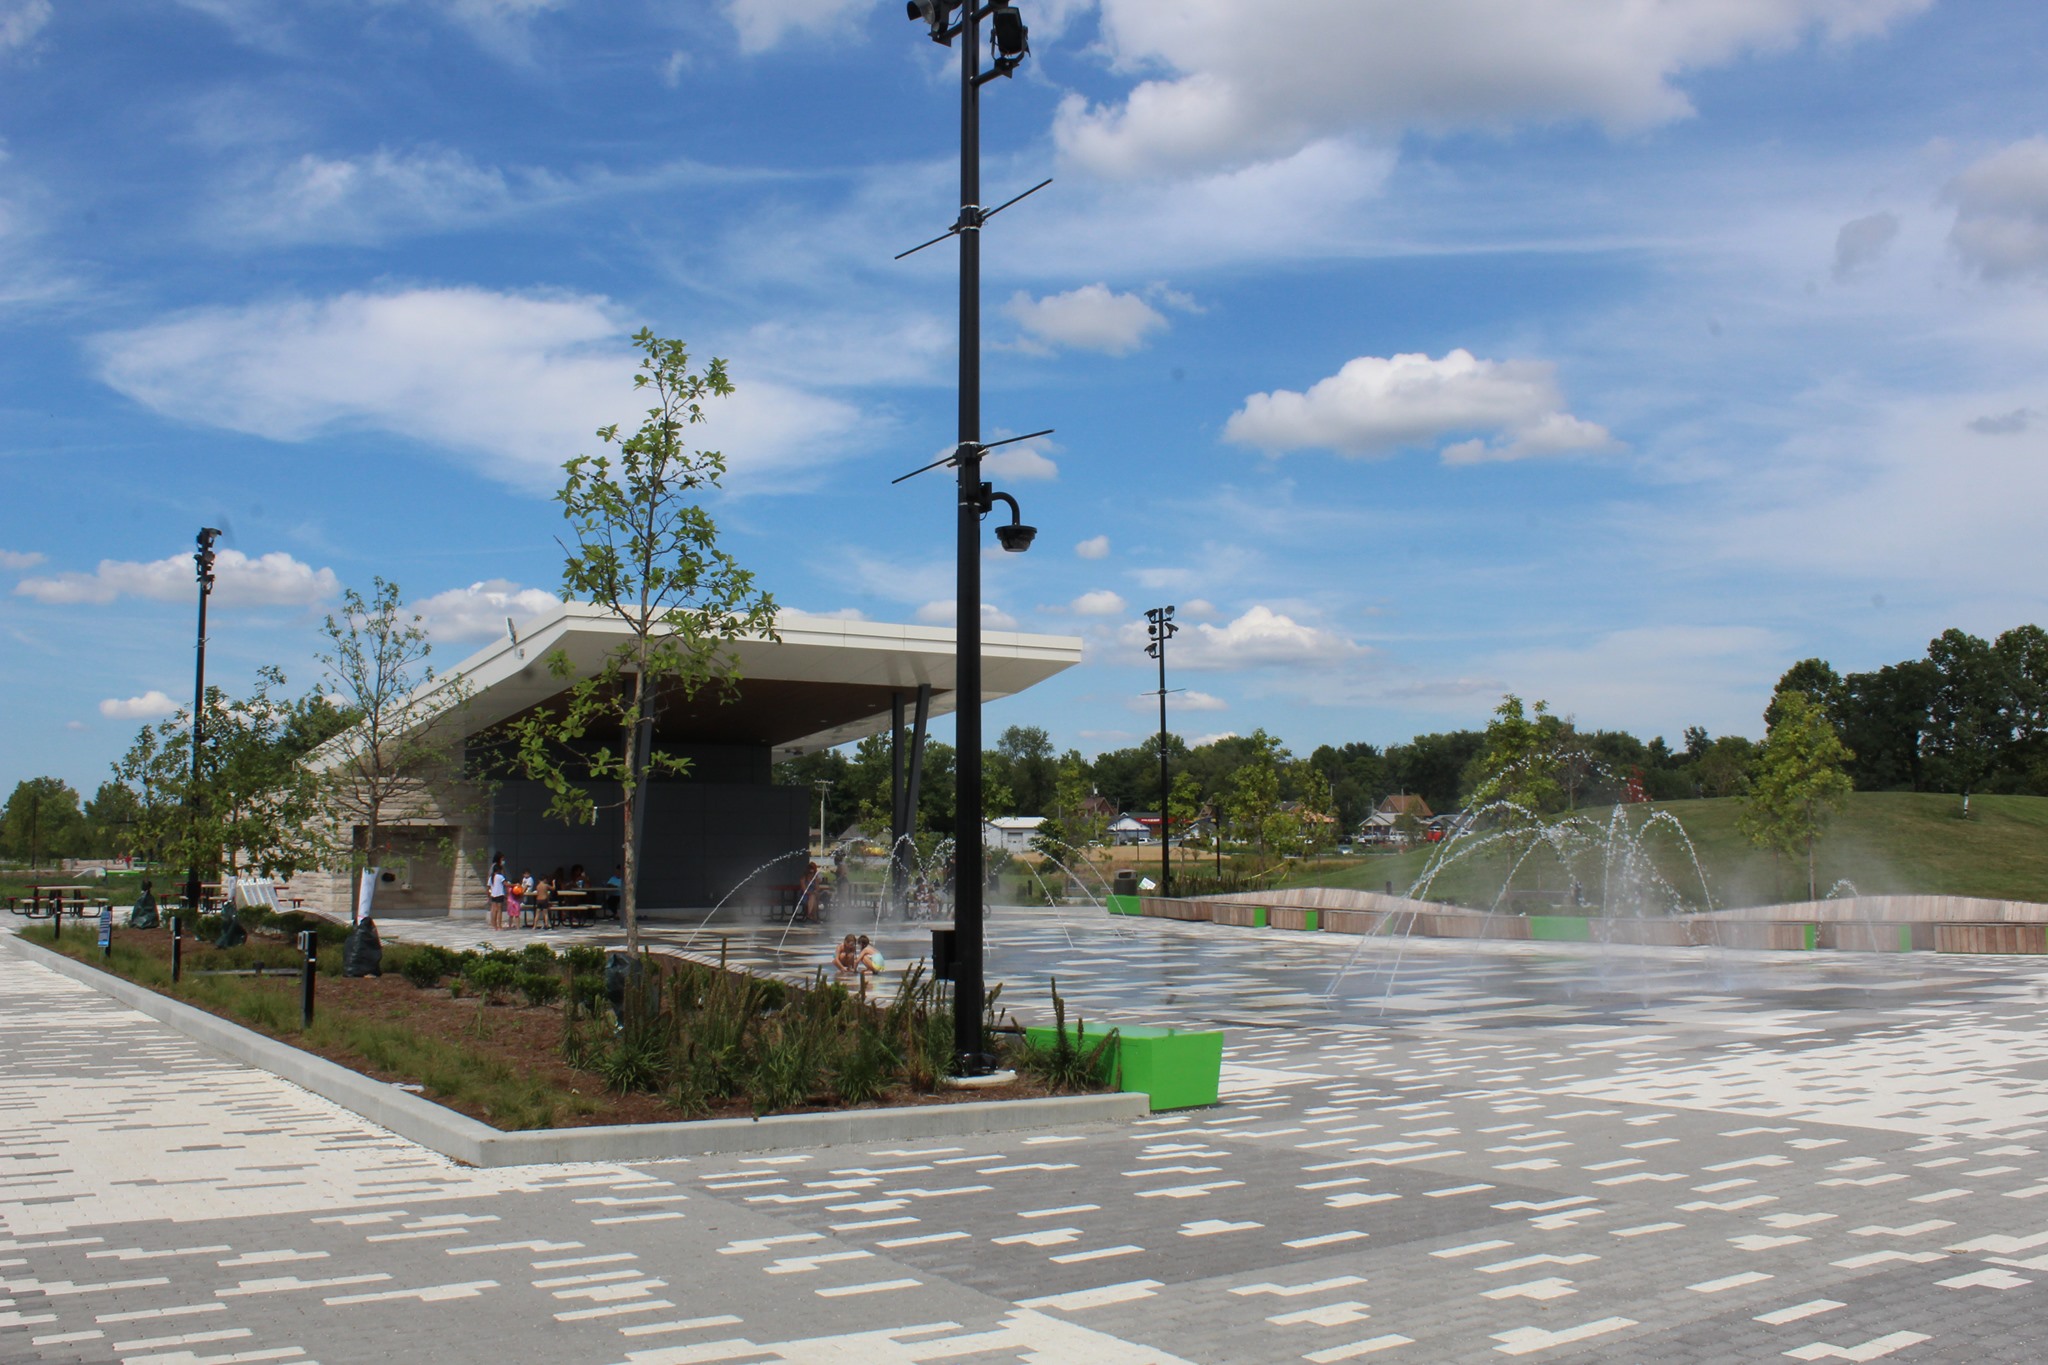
645, 550
1255, 789
1072, 824
1799, 781
388, 758
257, 805
1184, 803
1518, 764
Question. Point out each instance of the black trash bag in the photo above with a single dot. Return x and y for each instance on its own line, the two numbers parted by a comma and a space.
232, 934
144, 915
621, 971
363, 952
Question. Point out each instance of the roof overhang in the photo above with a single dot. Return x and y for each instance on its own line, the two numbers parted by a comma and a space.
826, 681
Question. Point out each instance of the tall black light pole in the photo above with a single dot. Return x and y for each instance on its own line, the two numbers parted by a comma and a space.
947, 20
1160, 627
202, 560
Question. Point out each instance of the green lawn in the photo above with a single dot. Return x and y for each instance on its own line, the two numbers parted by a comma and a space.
1883, 842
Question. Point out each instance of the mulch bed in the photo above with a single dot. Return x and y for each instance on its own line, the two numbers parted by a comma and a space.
523, 1037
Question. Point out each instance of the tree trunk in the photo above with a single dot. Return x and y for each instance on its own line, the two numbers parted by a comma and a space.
1812, 889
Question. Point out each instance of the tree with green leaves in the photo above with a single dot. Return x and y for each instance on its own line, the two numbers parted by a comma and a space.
646, 550
112, 816
258, 806
390, 758
1968, 728
1518, 764
1184, 803
1798, 783
41, 820
1255, 789
1073, 823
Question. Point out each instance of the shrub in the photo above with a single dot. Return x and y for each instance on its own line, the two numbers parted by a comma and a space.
584, 957
540, 988
423, 969
630, 1063
1069, 1063
537, 957
490, 977
586, 994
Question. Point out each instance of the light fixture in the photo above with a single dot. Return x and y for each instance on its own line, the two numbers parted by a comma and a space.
937, 15
1008, 32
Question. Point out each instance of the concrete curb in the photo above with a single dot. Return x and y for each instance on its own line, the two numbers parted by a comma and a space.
473, 1143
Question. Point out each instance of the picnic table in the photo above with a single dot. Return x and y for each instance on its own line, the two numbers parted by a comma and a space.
44, 901
580, 904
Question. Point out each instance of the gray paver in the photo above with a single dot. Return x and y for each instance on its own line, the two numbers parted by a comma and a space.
1428, 1151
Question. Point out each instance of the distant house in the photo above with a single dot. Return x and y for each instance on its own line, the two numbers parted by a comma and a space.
1011, 833
1129, 829
1098, 806
1395, 817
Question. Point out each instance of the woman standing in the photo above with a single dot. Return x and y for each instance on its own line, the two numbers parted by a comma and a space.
496, 891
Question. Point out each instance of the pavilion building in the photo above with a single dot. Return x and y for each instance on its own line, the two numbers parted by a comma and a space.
720, 827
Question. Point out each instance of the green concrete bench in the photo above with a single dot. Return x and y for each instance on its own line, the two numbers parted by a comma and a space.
1174, 1068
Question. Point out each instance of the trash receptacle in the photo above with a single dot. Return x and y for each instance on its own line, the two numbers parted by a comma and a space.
1125, 882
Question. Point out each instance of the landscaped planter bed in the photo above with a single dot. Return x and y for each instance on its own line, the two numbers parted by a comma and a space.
499, 1063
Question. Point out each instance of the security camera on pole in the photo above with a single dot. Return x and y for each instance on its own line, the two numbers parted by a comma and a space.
947, 20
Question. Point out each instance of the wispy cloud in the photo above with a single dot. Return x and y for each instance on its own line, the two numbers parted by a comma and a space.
275, 579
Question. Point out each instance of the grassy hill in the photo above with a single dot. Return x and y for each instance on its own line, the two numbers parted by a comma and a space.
1883, 842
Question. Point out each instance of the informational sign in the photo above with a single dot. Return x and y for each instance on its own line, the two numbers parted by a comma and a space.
106, 925
367, 891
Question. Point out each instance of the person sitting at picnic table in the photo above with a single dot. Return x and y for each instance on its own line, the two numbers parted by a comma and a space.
847, 960
143, 915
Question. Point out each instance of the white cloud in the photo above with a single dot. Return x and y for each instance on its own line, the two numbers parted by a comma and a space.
1199, 609
2001, 228
513, 383
479, 611
836, 614
1653, 678
20, 22
1090, 318
149, 706
945, 611
1099, 603
1862, 242
1197, 701
1244, 83
366, 198
1374, 406
761, 24
272, 580
20, 559
1200, 740
1095, 547
1019, 464
1261, 637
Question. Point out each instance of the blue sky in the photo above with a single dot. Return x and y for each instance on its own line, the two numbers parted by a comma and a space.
1610, 353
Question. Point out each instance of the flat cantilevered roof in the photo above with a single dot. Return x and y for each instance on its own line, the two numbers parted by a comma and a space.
826, 682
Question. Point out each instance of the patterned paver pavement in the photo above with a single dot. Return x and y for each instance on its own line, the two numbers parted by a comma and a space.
1428, 1151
